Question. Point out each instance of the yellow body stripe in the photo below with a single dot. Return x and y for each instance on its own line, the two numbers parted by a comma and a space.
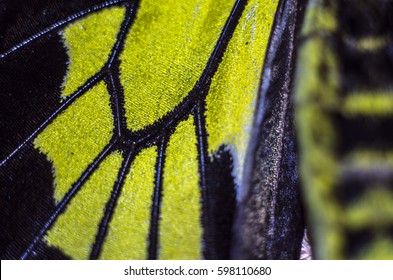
367, 44
381, 249
315, 97
180, 226
319, 18
75, 230
89, 42
76, 137
371, 210
128, 231
231, 99
363, 159
372, 43
165, 54
369, 104
309, 90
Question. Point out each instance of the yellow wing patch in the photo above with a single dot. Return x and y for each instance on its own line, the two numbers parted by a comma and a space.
89, 42
165, 54
75, 230
76, 137
231, 99
128, 232
180, 225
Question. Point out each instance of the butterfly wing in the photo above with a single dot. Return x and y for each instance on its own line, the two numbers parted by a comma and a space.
143, 120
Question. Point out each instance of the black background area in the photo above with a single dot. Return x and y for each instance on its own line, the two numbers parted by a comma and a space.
26, 198
30, 85
20, 19
221, 203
